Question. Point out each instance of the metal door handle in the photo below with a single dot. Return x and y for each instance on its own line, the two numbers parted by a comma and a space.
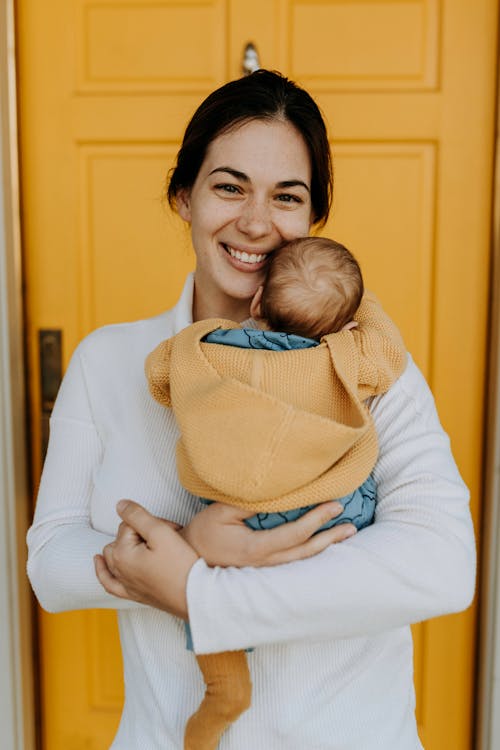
50, 348
250, 62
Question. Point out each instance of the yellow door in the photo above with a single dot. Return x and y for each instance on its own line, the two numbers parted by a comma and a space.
408, 89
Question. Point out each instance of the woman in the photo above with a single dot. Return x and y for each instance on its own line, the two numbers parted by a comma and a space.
333, 656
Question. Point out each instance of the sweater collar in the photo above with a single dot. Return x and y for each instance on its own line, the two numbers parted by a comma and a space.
182, 313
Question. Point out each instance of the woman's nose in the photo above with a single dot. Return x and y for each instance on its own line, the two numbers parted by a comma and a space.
255, 219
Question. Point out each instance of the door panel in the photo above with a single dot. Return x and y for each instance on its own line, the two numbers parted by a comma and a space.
133, 231
408, 89
364, 46
396, 247
164, 47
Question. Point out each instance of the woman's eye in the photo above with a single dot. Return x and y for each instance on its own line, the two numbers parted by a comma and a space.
289, 198
228, 188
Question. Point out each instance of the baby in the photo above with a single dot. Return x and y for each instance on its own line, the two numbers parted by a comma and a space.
313, 287
274, 433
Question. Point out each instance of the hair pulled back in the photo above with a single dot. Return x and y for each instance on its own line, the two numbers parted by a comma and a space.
263, 95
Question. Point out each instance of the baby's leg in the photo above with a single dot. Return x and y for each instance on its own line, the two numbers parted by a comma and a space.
228, 694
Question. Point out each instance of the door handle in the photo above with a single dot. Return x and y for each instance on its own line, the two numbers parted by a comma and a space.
50, 348
250, 61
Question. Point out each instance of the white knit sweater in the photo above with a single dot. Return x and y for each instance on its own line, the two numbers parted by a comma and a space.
332, 667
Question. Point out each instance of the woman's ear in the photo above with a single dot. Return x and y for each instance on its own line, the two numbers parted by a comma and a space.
255, 310
183, 203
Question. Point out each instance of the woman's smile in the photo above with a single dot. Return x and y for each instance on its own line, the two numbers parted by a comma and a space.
248, 261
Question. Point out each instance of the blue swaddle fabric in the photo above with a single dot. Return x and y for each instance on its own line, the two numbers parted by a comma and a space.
359, 506
254, 338
359, 509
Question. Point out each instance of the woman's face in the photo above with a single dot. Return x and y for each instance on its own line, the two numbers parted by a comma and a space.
252, 192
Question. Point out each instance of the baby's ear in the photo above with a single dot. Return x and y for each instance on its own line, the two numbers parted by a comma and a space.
157, 368
255, 309
351, 324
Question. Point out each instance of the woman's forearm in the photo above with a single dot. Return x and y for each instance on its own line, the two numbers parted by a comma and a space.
62, 541
62, 571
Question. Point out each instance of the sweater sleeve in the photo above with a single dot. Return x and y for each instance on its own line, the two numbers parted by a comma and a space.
61, 541
415, 562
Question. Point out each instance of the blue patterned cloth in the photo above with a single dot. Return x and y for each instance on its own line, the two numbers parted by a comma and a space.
254, 338
359, 506
359, 509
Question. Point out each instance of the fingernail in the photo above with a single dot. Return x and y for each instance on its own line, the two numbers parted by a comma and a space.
336, 508
121, 505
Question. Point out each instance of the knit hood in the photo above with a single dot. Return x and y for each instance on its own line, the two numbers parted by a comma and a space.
266, 431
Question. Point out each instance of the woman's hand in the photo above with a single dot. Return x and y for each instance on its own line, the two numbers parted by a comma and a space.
148, 562
219, 535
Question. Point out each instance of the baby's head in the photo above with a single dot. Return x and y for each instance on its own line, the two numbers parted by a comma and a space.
313, 287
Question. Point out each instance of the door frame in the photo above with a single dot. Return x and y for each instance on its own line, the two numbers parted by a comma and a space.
17, 663
488, 708
18, 713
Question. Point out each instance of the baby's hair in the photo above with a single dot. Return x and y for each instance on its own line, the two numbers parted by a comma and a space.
313, 287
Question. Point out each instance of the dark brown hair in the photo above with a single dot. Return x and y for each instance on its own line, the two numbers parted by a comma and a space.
263, 95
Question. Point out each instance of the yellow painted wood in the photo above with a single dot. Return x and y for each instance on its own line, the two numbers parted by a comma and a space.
408, 88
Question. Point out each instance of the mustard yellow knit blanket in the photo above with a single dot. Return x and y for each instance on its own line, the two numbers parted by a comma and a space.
272, 431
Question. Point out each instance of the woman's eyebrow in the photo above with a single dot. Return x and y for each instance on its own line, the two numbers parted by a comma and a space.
293, 183
233, 172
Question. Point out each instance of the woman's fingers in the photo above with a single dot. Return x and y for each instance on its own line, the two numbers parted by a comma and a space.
107, 555
127, 535
126, 532
295, 534
148, 562
310, 522
107, 579
219, 535
314, 545
137, 519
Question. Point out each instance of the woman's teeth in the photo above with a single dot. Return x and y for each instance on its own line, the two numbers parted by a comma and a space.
245, 257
